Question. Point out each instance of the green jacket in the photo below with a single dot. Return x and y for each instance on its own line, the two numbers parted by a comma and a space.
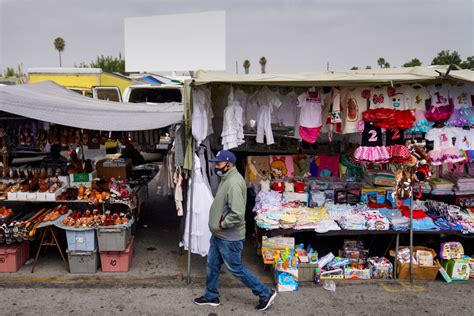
227, 214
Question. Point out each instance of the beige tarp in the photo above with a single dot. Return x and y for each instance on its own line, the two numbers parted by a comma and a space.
330, 78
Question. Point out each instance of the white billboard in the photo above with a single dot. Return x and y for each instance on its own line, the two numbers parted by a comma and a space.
180, 42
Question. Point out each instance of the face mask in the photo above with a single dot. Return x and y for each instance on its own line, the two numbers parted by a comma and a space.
220, 171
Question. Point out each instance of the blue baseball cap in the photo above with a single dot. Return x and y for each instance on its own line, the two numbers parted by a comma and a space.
225, 155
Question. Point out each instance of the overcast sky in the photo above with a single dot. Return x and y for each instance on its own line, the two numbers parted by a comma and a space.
293, 35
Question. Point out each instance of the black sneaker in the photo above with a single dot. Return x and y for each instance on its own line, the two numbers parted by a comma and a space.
204, 301
265, 304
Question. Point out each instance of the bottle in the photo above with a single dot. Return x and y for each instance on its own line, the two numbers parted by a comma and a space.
317, 275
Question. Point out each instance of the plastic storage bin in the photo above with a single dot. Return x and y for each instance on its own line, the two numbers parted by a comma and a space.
13, 257
83, 262
457, 269
117, 261
113, 238
81, 240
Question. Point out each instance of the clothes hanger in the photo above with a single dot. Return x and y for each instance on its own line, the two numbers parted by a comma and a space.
417, 86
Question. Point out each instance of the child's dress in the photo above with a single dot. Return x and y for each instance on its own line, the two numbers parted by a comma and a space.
372, 149
441, 104
395, 142
445, 149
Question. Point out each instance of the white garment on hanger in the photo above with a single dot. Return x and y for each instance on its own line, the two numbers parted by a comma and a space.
232, 129
286, 114
250, 113
178, 191
201, 204
266, 100
202, 114
310, 103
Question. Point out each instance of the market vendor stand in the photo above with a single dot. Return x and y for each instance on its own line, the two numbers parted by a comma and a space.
51, 103
424, 75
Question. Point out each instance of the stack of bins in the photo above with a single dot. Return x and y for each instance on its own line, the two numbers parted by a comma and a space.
82, 251
116, 248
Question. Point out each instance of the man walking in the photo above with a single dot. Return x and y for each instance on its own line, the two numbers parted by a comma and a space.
227, 224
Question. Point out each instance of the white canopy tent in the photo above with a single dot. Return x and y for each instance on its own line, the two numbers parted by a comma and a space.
49, 102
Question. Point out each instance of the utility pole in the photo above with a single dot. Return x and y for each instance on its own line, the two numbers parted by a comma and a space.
327, 66
236, 67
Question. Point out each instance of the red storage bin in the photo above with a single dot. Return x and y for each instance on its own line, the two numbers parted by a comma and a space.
13, 257
117, 261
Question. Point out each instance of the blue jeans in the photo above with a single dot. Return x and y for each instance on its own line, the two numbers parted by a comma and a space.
229, 252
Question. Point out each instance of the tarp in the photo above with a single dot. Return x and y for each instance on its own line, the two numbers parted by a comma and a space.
465, 74
49, 102
337, 78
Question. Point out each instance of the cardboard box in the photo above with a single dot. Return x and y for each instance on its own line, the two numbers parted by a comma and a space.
356, 274
286, 280
270, 247
118, 168
419, 272
306, 272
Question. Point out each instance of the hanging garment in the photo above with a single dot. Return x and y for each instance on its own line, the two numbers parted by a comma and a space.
310, 103
202, 114
165, 185
282, 166
328, 165
249, 112
371, 148
334, 119
232, 129
301, 165
178, 146
266, 101
178, 191
285, 115
257, 168
353, 104
198, 208
207, 168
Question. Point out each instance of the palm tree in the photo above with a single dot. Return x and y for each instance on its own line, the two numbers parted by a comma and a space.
247, 66
381, 62
263, 64
59, 45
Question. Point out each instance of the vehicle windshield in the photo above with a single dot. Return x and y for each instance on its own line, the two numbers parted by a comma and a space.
144, 95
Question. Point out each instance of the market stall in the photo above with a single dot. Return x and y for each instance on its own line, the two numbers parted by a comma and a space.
90, 179
341, 153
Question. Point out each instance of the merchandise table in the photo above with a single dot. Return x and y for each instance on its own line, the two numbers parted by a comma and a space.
260, 232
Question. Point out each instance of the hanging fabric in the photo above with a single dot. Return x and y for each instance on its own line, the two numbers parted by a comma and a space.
202, 114
233, 129
200, 204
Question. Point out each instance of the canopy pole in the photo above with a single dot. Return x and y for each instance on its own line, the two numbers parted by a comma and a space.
190, 216
411, 238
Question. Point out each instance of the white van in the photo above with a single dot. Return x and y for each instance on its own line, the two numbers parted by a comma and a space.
149, 93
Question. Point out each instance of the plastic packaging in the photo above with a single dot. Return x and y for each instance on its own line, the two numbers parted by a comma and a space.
326, 259
329, 286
